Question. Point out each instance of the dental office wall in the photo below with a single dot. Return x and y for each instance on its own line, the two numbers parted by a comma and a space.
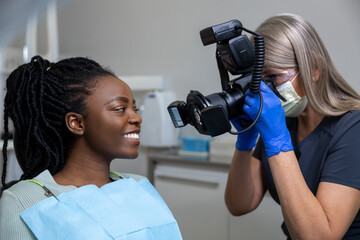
161, 38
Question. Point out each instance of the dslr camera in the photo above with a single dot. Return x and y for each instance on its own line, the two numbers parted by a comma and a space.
211, 114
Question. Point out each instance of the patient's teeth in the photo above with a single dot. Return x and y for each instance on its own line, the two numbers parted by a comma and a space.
132, 135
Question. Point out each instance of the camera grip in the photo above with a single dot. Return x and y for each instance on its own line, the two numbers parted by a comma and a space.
245, 122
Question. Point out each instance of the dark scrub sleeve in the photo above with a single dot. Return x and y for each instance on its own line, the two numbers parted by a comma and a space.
331, 153
342, 165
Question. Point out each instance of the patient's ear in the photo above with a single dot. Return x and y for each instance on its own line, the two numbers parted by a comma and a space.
75, 123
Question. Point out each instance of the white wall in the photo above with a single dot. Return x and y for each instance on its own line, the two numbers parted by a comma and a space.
161, 37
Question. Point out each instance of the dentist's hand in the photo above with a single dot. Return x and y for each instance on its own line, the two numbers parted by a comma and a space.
271, 124
247, 140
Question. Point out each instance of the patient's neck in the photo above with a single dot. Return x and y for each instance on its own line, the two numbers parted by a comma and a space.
81, 169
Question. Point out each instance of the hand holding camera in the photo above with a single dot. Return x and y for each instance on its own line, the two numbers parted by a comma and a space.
247, 140
271, 124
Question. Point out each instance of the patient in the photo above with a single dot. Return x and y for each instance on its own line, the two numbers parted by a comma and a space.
71, 119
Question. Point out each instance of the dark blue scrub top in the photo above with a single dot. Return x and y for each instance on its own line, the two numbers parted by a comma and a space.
331, 153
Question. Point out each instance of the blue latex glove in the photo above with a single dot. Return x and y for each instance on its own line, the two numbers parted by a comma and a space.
247, 140
271, 124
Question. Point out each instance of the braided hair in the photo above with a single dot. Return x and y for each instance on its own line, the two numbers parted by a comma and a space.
39, 94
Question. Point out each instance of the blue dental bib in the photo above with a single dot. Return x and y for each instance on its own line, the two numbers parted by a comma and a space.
124, 209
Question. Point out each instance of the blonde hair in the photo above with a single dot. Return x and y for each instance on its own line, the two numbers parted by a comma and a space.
290, 41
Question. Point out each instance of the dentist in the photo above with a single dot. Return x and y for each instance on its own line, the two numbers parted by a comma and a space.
307, 155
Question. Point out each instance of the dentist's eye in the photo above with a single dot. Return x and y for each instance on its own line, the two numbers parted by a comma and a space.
273, 77
276, 78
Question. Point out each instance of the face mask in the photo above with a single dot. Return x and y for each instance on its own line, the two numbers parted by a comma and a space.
294, 104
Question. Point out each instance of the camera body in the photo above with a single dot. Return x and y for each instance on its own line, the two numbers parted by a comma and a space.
211, 114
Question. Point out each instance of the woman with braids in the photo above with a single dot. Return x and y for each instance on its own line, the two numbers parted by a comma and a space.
307, 155
71, 119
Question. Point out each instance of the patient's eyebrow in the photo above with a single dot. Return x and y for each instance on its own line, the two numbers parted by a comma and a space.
123, 99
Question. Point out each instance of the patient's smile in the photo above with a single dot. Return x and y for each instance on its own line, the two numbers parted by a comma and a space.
132, 135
